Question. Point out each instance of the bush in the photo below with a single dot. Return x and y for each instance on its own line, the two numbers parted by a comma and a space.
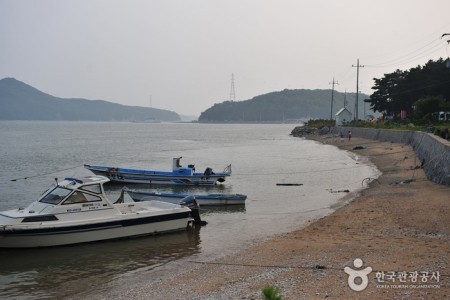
442, 132
320, 123
271, 293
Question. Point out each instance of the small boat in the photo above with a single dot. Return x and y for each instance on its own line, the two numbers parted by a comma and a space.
76, 210
202, 199
179, 175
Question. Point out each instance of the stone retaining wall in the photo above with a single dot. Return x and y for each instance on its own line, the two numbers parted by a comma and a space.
433, 151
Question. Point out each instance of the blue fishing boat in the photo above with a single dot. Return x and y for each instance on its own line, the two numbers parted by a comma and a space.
202, 199
179, 175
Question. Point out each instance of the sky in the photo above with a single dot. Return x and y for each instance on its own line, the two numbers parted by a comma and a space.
180, 55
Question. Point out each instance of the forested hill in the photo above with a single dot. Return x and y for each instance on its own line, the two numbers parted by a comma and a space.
20, 101
282, 106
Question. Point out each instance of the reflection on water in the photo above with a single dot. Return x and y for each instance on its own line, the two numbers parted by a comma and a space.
34, 273
206, 210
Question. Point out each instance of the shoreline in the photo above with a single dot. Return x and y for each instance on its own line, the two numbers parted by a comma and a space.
399, 224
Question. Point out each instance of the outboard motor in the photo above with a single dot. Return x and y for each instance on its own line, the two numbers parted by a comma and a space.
193, 205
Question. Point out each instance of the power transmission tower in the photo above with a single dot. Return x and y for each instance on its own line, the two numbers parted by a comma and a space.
357, 88
332, 97
232, 91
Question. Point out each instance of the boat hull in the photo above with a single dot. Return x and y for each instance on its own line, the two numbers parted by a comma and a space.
203, 200
116, 229
128, 176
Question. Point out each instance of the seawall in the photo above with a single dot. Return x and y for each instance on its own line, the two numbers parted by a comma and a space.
433, 152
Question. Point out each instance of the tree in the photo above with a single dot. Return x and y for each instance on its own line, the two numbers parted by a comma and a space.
401, 90
386, 90
425, 107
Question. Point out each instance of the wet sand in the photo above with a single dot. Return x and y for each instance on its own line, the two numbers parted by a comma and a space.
401, 223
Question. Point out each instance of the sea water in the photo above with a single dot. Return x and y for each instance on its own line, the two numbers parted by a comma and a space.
33, 154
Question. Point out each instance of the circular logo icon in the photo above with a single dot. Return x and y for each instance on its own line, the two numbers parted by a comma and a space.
354, 274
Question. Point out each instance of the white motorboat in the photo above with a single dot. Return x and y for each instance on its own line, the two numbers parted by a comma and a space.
76, 210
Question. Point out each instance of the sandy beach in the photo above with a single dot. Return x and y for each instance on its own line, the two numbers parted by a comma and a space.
399, 227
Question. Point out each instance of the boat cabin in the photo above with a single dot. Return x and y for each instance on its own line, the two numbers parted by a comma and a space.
180, 170
72, 195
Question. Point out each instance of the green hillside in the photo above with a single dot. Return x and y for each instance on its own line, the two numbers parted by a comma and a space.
282, 106
20, 101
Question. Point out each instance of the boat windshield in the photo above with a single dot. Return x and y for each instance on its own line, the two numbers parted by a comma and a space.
56, 196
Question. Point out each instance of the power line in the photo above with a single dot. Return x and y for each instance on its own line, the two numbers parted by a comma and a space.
348, 77
44, 174
408, 58
403, 56
420, 88
412, 46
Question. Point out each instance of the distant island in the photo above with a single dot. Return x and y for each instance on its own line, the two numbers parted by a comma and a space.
284, 106
20, 101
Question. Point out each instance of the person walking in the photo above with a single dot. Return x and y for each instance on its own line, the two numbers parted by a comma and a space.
349, 135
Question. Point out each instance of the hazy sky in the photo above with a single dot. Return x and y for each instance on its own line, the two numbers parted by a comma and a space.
181, 53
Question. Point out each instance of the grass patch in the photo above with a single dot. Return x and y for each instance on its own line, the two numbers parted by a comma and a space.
271, 293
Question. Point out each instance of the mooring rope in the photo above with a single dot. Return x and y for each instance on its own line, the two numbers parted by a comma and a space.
44, 174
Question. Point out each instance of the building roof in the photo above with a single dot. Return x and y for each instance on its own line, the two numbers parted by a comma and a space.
342, 110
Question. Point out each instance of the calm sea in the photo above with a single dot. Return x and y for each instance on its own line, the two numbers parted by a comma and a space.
33, 154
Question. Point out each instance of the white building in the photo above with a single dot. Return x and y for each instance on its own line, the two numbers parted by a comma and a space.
343, 115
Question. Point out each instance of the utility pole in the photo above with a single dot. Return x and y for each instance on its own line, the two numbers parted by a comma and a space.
332, 97
232, 91
447, 61
357, 88
345, 99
